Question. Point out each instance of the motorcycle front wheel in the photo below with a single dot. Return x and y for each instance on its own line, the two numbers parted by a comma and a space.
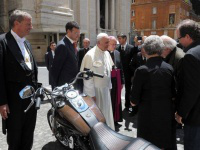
63, 135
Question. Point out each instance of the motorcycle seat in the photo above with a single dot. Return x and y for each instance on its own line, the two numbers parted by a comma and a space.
104, 138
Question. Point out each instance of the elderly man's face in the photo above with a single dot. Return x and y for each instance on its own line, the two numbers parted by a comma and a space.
86, 43
24, 27
112, 45
103, 43
165, 52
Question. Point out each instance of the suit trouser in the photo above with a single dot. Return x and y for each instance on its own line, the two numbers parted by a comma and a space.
127, 91
191, 137
20, 129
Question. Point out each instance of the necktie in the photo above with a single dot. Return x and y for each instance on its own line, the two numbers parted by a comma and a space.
122, 48
74, 44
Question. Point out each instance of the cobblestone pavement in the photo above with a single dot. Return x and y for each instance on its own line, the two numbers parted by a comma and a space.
43, 139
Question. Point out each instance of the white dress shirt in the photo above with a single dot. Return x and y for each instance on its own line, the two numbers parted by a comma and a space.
20, 42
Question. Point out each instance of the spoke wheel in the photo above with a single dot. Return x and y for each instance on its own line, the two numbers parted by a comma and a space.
60, 133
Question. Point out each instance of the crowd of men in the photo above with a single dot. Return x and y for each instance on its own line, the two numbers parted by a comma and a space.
161, 80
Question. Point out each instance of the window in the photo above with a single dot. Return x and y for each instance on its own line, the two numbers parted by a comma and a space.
133, 12
133, 24
171, 19
154, 10
154, 24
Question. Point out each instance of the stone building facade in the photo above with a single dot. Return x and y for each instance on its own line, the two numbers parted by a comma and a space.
50, 17
159, 17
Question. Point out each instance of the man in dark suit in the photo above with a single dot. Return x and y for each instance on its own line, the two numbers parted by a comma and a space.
83, 51
65, 64
49, 56
17, 69
138, 60
81, 54
188, 111
126, 53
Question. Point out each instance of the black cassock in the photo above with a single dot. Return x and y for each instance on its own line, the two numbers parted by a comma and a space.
152, 90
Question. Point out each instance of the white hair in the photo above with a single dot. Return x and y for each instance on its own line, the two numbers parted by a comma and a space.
101, 35
19, 16
153, 44
168, 42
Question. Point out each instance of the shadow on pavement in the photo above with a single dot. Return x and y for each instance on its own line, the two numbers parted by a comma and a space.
55, 145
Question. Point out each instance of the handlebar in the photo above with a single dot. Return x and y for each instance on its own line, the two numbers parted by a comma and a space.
89, 74
38, 96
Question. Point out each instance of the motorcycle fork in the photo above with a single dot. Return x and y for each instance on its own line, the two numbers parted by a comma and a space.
53, 121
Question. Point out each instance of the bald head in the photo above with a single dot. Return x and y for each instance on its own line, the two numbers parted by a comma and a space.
86, 43
112, 43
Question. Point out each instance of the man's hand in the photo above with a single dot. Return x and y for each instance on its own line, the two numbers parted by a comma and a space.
4, 110
132, 104
94, 98
178, 118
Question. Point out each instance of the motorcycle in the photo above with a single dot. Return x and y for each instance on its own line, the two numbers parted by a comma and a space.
76, 121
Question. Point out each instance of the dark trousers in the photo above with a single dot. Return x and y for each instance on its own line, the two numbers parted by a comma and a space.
191, 137
127, 91
20, 129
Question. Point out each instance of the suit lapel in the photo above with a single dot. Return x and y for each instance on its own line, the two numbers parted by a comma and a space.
71, 47
15, 50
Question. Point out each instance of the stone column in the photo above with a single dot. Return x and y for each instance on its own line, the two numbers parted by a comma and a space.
57, 34
98, 14
70, 4
113, 15
106, 14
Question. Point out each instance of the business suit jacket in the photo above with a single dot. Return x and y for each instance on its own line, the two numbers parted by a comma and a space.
13, 69
14, 76
152, 90
81, 54
126, 56
137, 61
49, 61
65, 64
189, 102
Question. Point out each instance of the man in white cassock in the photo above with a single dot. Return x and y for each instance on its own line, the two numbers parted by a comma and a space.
99, 61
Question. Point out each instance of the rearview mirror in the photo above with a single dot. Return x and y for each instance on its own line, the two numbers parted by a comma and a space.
27, 92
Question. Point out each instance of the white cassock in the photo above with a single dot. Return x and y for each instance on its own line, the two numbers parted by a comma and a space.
99, 62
